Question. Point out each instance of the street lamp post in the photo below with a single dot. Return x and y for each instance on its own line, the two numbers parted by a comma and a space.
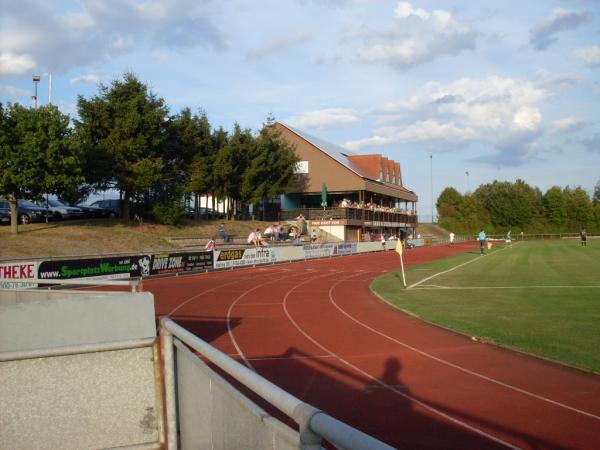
431, 183
36, 80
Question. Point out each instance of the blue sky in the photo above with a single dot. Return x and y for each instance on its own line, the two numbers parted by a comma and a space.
501, 90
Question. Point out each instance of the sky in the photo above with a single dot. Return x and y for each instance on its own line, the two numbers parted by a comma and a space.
460, 92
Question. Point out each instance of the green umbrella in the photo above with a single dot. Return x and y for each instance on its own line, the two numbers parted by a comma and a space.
324, 196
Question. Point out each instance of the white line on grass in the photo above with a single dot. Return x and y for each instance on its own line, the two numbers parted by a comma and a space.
451, 269
432, 287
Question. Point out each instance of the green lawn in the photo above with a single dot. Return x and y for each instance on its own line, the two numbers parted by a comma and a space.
541, 297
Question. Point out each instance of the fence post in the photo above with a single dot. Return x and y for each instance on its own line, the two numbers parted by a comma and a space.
166, 345
309, 440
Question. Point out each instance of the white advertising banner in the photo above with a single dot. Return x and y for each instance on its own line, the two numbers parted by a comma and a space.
317, 250
18, 275
241, 257
286, 254
375, 246
345, 248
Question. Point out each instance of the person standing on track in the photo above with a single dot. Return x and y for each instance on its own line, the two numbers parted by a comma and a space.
482, 239
451, 238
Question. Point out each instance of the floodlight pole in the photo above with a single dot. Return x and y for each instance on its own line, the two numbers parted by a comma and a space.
468, 184
36, 80
431, 183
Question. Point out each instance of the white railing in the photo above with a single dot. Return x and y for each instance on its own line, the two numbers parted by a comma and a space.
314, 425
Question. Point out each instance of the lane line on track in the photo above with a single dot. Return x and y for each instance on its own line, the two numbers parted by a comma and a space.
233, 304
387, 386
455, 366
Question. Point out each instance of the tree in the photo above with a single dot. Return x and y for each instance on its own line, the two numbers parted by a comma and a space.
231, 162
271, 169
448, 202
579, 208
37, 155
596, 197
555, 208
509, 204
123, 130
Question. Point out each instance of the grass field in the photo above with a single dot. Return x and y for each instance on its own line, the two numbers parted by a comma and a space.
541, 297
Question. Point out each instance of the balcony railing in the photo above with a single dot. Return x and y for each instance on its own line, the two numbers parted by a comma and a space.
353, 216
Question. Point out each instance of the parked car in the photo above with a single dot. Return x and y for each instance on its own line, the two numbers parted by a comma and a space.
112, 206
92, 211
4, 213
62, 210
27, 211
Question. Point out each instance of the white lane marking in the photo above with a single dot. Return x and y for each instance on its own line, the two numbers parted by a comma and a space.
455, 366
233, 304
391, 388
289, 358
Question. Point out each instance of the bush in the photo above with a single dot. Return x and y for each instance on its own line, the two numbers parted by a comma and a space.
168, 213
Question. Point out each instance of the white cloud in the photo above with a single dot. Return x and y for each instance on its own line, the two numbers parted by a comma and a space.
527, 118
324, 119
278, 44
122, 43
89, 79
502, 112
16, 64
93, 30
12, 91
544, 33
566, 124
159, 55
590, 56
420, 131
417, 36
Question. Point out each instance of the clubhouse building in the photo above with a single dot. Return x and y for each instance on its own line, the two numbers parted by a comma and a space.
365, 194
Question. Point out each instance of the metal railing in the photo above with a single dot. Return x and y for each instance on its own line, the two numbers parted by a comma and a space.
314, 425
361, 214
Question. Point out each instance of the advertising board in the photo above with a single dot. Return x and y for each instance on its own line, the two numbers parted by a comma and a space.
241, 257
163, 263
18, 275
108, 268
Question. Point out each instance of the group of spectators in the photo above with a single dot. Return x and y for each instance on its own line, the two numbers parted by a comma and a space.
347, 203
275, 233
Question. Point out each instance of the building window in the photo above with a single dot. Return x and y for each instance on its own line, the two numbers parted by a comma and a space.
301, 167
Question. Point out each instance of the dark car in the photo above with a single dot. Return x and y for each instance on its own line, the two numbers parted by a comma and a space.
92, 211
4, 213
112, 207
27, 211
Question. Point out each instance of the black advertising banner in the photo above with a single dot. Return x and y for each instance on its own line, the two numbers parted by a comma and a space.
163, 263
95, 268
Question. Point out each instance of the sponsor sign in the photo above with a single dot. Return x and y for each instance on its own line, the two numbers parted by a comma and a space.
94, 269
179, 262
322, 223
346, 248
318, 250
363, 247
243, 257
18, 275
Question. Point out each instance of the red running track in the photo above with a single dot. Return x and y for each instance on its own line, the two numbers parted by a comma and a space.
315, 329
